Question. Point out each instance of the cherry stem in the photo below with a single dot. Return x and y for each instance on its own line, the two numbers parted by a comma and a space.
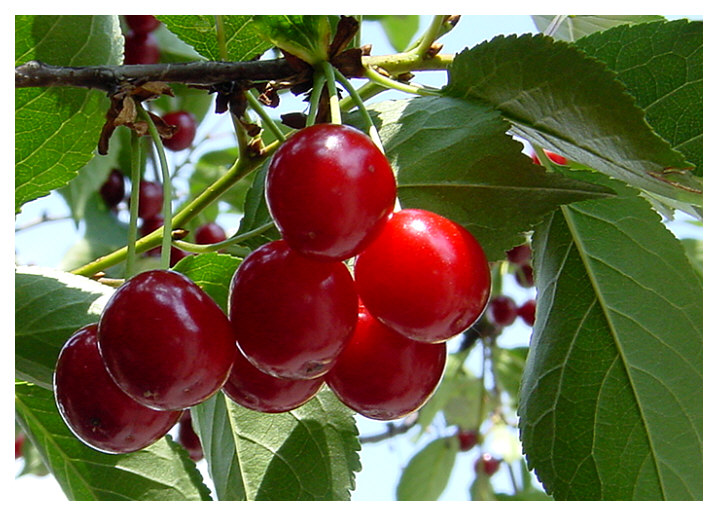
388, 82
318, 86
236, 239
370, 127
135, 166
166, 189
335, 112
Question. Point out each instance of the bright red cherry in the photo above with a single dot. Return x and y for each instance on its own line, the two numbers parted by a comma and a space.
150, 199
520, 254
424, 276
502, 310
141, 23
291, 315
210, 233
255, 390
188, 438
330, 190
186, 128
487, 464
527, 312
384, 375
165, 342
94, 407
467, 439
556, 158
112, 190
141, 48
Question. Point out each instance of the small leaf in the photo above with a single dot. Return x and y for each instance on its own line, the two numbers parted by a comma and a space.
453, 157
162, 471
399, 29
427, 474
49, 307
304, 36
562, 100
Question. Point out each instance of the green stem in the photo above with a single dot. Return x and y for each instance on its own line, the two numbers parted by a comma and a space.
268, 122
430, 35
388, 82
221, 43
135, 165
166, 188
236, 239
368, 122
317, 87
335, 112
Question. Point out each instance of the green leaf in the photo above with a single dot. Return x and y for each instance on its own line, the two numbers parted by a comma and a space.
427, 474
162, 471
212, 272
399, 29
453, 157
56, 129
49, 307
615, 363
694, 252
304, 36
661, 65
562, 100
574, 26
242, 43
509, 364
309, 453
256, 212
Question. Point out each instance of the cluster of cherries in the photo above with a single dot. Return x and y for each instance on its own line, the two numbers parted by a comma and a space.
486, 464
297, 317
141, 46
503, 310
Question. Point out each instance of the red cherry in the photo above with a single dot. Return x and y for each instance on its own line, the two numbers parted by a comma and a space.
150, 199
424, 276
524, 275
209, 233
141, 23
187, 437
502, 310
384, 375
291, 315
487, 464
141, 48
527, 312
94, 407
520, 254
186, 128
467, 439
165, 342
112, 190
19, 442
556, 158
330, 190
255, 390
148, 226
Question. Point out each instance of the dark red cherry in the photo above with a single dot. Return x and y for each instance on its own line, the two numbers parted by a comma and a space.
165, 342
384, 375
524, 275
329, 190
291, 315
93, 406
502, 310
467, 439
255, 390
141, 48
141, 23
185, 130
112, 190
19, 444
520, 254
424, 276
487, 464
209, 233
188, 438
151, 197
527, 312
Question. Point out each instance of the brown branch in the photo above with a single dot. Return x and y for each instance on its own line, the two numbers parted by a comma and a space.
108, 78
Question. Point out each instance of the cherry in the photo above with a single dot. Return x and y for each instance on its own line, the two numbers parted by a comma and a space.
384, 375
186, 128
141, 23
524, 275
527, 312
556, 158
255, 390
141, 48
19, 443
112, 190
209, 233
519, 255
487, 464
467, 439
502, 310
424, 276
165, 342
188, 438
94, 407
291, 315
329, 190
148, 226
150, 199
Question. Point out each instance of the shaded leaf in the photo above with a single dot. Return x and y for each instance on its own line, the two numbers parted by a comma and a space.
212, 272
